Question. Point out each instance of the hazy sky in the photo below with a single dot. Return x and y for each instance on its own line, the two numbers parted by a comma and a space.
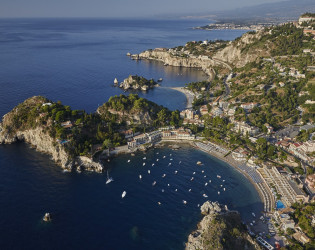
116, 8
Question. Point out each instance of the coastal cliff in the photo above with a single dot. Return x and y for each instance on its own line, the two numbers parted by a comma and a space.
204, 63
18, 125
220, 229
240, 52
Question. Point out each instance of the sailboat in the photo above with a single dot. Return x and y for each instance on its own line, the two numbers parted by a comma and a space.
109, 179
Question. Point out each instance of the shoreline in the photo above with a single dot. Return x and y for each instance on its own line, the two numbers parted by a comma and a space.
233, 164
189, 96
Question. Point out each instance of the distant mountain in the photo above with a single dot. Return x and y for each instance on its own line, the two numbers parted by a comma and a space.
268, 12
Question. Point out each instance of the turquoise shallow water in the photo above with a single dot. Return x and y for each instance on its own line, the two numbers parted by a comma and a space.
75, 61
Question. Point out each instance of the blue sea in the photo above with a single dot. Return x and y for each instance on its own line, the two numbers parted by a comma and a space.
75, 61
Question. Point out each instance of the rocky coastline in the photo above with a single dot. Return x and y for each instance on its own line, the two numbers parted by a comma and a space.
220, 228
44, 143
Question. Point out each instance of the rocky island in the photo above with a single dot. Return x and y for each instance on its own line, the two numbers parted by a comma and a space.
220, 229
138, 83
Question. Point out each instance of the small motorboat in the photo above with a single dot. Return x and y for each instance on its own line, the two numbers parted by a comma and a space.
143, 164
194, 172
176, 190
149, 172
218, 176
168, 185
206, 184
185, 202
157, 159
160, 80
154, 183
128, 161
164, 157
218, 192
221, 185
171, 159
123, 194
204, 176
189, 190
162, 190
198, 205
180, 162
144, 158
159, 203
170, 154
253, 214
152, 164
192, 178
199, 163
209, 181
176, 172
223, 180
204, 195
170, 164
47, 217
163, 175
140, 176
223, 189
202, 171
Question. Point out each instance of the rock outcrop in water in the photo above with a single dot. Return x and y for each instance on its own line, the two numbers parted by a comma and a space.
220, 229
138, 83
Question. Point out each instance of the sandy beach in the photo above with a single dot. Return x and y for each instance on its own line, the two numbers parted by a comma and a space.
189, 95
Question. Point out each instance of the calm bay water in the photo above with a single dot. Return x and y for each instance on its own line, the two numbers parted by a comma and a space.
75, 61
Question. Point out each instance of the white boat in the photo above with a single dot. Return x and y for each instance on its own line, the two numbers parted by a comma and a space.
192, 178
168, 185
218, 192
204, 195
143, 164
154, 183
219, 176
144, 158
152, 164
204, 176
251, 224
180, 162
202, 171
157, 159
176, 172
206, 184
123, 194
194, 172
128, 161
140, 176
160, 80
162, 190
163, 175
164, 157
149, 172
221, 185
198, 205
159, 203
209, 181
185, 202
170, 154
170, 164
189, 190
223, 189
109, 179
223, 180
199, 163
171, 159
157, 153
254, 214
47, 217
176, 190
115, 81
